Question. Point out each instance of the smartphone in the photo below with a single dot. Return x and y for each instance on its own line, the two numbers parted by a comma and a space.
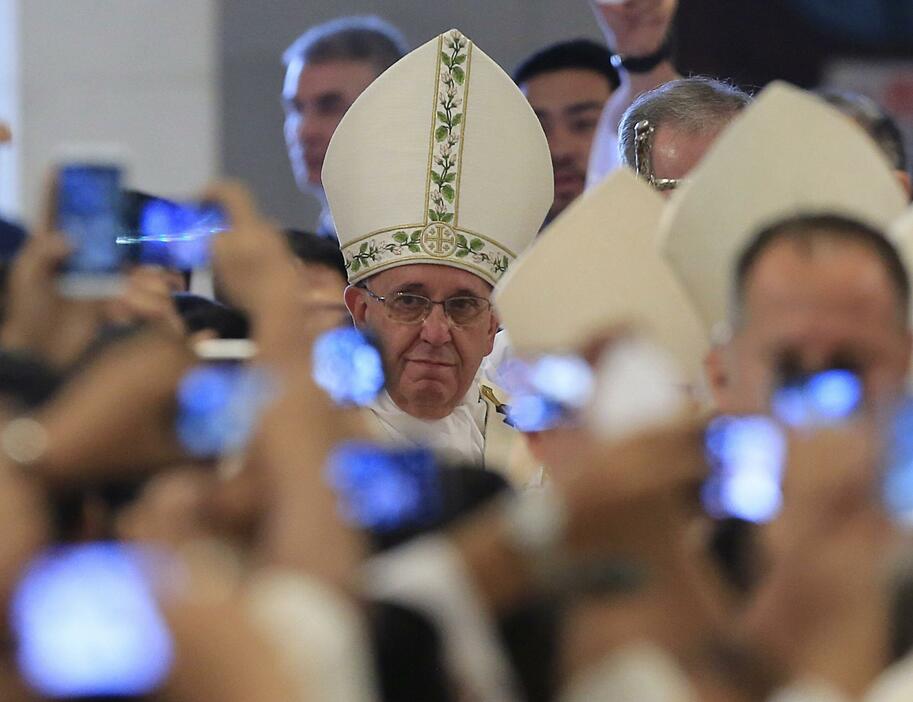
219, 405
545, 392
818, 399
88, 212
171, 234
385, 489
747, 457
348, 365
87, 624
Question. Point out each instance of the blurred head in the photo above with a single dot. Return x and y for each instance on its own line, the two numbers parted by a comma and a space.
567, 85
208, 319
879, 125
683, 118
431, 364
813, 293
323, 269
327, 68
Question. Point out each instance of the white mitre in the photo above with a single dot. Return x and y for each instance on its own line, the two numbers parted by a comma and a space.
441, 160
787, 154
598, 265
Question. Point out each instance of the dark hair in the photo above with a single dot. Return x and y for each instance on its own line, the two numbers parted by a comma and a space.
12, 237
26, 382
579, 53
808, 230
869, 115
201, 313
361, 38
318, 250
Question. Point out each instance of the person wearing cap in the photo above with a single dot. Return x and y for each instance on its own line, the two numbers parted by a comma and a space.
778, 241
789, 155
621, 287
438, 177
326, 68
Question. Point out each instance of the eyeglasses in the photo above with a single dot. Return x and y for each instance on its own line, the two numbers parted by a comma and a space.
409, 308
643, 157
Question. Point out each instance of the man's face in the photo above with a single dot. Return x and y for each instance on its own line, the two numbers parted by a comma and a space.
814, 309
316, 96
676, 152
568, 104
430, 366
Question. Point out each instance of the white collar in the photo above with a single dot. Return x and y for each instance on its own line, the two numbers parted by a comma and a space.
459, 435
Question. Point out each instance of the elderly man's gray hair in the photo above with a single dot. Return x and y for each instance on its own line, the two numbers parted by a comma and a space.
360, 38
694, 105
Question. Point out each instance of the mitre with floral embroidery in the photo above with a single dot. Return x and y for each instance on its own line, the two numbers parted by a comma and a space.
441, 160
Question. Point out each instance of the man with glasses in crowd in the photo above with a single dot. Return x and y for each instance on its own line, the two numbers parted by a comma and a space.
429, 216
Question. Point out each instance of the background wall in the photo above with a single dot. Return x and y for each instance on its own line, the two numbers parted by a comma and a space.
192, 86
141, 73
253, 40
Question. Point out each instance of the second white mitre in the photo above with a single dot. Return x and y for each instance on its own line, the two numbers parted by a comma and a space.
441, 161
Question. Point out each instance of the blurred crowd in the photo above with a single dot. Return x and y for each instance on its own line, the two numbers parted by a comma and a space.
591, 383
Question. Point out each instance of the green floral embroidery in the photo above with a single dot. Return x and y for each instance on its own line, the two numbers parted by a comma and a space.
447, 132
475, 247
370, 252
386, 245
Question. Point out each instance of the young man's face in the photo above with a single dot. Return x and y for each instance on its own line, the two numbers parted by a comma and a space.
568, 103
431, 365
316, 96
810, 310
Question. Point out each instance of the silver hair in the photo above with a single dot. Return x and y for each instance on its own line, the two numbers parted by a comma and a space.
358, 38
693, 105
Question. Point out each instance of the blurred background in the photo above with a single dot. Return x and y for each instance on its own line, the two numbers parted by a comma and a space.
191, 87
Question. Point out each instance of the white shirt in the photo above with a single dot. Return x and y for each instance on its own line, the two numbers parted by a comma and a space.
460, 436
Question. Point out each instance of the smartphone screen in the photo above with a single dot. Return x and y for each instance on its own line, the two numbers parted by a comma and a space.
747, 457
87, 623
171, 234
89, 214
818, 399
347, 364
545, 392
385, 489
219, 405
